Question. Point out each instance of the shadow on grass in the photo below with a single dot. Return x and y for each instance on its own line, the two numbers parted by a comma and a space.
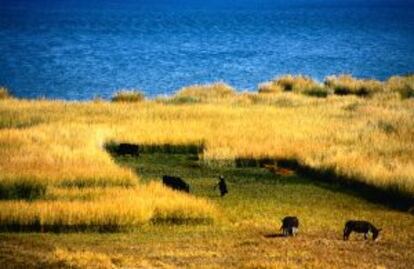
62, 228
273, 235
182, 221
94, 228
391, 196
115, 148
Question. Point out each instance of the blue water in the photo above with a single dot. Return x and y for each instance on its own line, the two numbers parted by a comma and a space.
66, 49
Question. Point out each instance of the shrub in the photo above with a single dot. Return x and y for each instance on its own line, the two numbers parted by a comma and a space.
128, 96
4, 93
346, 85
206, 92
404, 86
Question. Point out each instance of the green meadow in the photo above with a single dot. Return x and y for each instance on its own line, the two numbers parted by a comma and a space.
247, 234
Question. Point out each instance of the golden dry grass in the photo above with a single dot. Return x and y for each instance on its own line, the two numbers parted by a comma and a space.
62, 144
4, 93
208, 92
269, 87
108, 209
128, 96
346, 84
64, 258
401, 85
368, 139
297, 84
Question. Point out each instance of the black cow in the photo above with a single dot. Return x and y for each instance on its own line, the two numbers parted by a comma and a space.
175, 183
360, 226
127, 149
290, 225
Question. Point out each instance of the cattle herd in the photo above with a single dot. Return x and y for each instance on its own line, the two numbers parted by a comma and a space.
290, 224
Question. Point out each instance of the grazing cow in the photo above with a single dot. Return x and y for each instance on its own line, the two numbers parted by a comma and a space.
222, 186
360, 226
127, 149
175, 183
290, 226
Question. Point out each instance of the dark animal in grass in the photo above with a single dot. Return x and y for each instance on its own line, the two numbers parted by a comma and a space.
222, 186
127, 149
360, 226
290, 226
176, 183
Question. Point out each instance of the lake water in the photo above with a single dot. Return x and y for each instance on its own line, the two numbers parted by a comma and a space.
69, 50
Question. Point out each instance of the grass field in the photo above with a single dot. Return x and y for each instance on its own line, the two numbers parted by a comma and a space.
246, 236
340, 150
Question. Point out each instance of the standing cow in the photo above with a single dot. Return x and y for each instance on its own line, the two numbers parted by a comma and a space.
290, 225
176, 183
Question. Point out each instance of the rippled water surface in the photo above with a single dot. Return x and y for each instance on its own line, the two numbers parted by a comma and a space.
79, 52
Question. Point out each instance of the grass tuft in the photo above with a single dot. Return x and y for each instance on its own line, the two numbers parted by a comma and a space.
180, 100
207, 92
297, 84
4, 93
403, 85
347, 85
270, 87
128, 96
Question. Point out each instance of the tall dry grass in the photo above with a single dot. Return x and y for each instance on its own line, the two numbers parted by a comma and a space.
340, 85
104, 209
62, 154
368, 140
403, 85
297, 84
128, 96
346, 84
203, 93
4, 93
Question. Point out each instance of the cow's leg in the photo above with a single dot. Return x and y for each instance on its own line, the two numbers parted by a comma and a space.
347, 232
